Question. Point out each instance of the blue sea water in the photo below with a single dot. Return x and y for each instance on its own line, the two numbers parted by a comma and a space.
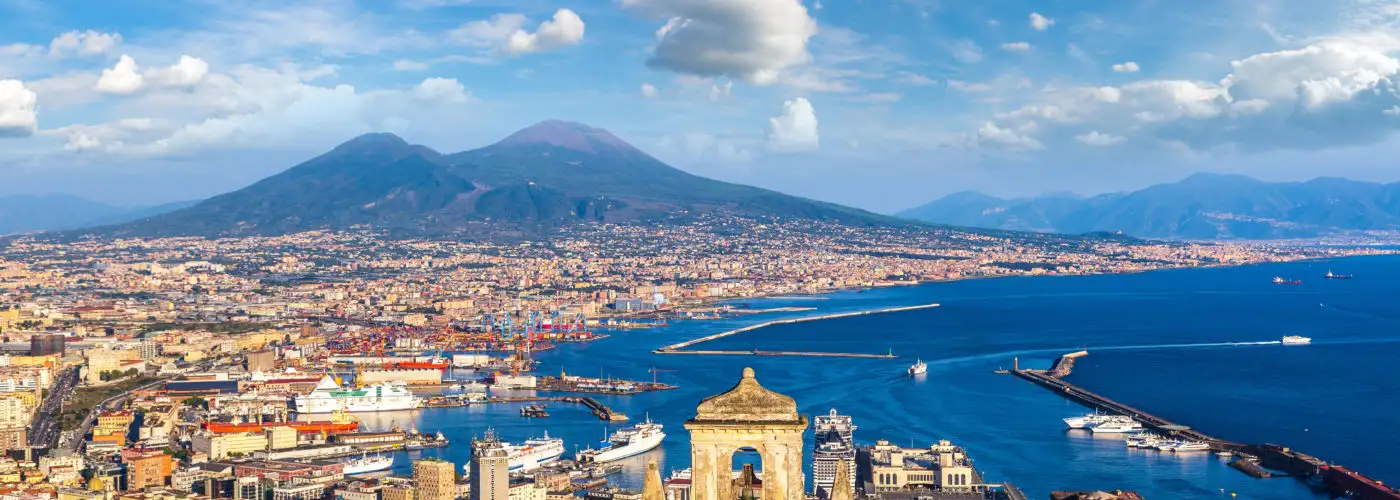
1171, 342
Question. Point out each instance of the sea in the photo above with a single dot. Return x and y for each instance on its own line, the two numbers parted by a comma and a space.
1196, 346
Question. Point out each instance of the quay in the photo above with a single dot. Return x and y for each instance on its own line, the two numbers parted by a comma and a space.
1256, 460
598, 409
675, 348
757, 352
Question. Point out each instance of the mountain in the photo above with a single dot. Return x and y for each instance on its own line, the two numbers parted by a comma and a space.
551, 174
24, 213
1202, 206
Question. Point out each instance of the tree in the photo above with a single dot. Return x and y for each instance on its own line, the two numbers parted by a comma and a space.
197, 401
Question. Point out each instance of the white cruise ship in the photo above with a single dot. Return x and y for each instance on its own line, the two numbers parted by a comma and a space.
329, 397
624, 443
533, 453
1296, 340
367, 464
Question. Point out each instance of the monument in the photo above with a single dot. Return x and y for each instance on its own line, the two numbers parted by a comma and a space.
747, 417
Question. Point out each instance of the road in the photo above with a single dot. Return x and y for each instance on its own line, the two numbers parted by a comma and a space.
79, 437
43, 433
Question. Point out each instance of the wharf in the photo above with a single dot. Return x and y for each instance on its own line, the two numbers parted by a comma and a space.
598, 386
599, 410
676, 348
757, 352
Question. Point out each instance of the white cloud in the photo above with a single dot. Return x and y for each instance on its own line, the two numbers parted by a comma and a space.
966, 51
1016, 46
1127, 67
795, 130
909, 78
751, 40
507, 34
991, 134
87, 43
406, 65
189, 71
879, 97
18, 110
124, 78
441, 90
1041, 23
649, 91
971, 87
1094, 138
721, 92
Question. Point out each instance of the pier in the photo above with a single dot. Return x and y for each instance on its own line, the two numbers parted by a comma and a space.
598, 409
677, 348
1256, 460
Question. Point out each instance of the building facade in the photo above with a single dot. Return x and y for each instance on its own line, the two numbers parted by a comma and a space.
434, 479
489, 469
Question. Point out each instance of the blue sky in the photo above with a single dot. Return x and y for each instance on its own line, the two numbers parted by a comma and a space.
881, 104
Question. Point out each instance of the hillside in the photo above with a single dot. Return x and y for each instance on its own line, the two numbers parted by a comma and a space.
1202, 206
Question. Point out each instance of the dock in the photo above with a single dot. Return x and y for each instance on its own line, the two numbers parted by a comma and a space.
1256, 460
598, 409
677, 348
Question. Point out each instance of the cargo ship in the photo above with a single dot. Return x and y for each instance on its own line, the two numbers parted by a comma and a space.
435, 363
340, 422
624, 443
329, 397
1280, 281
1331, 276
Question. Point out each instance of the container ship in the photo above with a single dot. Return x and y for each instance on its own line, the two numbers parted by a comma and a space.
340, 422
624, 443
329, 397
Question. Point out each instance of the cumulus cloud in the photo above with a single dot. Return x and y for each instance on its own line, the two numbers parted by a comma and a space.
507, 33
721, 92
962, 86
1327, 94
86, 43
1094, 138
795, 129
1127, 67
188, 71
441, 90
967, 51
649, 91
1016, 46
18, 105
1041, 23
124, 78
406, 65
992, 134
750, 40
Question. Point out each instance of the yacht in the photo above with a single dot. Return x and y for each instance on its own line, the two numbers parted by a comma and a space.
918, 368
1296, 340
1117, 426
1144, 441
1086, 421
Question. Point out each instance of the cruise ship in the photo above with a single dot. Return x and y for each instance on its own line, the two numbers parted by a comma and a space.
624, 443
367, 464
1296, 340
329, 397
533, 453
833, 447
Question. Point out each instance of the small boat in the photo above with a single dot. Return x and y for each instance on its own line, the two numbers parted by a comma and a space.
918, 368
1296, 340
1144, 441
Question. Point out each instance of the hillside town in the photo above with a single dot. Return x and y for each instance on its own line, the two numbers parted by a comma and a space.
202, 368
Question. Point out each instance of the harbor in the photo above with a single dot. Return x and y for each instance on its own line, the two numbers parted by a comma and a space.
598, 409
756, 352
1260, 461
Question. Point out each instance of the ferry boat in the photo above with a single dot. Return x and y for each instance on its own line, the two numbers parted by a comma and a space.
1331, 276
1296, 340
329, 397
1088, 420
1117, 426
1183, 446
624, 443
919, 368
533, 453
367, 464
1278, 280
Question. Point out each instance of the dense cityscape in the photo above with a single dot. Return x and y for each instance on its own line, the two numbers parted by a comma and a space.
236, 367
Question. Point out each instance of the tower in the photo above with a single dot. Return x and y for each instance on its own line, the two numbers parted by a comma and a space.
747, 417
489, 469
434, 480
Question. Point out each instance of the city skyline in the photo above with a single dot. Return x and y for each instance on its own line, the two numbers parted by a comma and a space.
875, 105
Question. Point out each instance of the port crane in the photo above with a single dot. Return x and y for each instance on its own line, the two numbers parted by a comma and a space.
654, 370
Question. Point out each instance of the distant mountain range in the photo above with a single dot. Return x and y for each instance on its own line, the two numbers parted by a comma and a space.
25, 213
548, 175
1202, 206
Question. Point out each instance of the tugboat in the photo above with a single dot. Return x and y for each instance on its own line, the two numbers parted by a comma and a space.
1331, 276
534, 411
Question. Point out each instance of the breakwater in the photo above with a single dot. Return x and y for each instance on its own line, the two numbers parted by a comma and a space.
676, 348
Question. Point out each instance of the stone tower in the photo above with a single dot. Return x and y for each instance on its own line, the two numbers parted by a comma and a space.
746, 417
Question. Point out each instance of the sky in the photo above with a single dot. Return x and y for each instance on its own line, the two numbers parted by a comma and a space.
879, 104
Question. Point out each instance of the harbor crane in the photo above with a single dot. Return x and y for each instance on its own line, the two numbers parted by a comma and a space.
654, 370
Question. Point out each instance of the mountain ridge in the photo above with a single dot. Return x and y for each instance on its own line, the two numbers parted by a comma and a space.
1202, 206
